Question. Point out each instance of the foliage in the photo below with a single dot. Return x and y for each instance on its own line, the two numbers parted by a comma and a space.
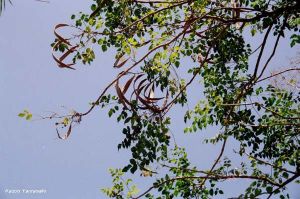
25, 114
162, 48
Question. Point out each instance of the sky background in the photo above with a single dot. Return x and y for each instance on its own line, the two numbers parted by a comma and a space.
31, 155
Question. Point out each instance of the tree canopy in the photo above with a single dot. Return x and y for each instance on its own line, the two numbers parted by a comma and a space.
223, 49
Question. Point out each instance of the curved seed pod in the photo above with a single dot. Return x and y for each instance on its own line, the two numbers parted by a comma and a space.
119, 65
60, 38
71, 50
122, 98
121, 92
147, 89
146, 103
128, 84
150, 97
139, 88
134, 82
61, 64
68, 133
59, 60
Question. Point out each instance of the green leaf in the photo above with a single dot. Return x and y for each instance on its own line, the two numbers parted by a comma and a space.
269, 189
28, 116
104, 48
21, 114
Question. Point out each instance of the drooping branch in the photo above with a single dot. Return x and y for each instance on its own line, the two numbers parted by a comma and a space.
270, 164
212, 177
214, 165
279, 73
294, 177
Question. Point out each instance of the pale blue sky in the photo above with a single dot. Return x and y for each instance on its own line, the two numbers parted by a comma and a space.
31, 155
